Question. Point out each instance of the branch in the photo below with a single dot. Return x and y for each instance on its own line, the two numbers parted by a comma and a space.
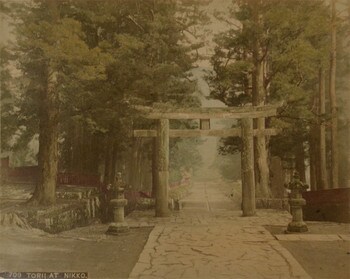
186, 30
228, 21
135, 22
152, 12
229, 56
301, 77
265, 51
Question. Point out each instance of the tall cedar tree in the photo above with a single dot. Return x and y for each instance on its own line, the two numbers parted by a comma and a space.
54, 59
277, 50
85, 64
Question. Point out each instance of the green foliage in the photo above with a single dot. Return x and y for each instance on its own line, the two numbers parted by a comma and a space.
108, 56
7, 101
292, 39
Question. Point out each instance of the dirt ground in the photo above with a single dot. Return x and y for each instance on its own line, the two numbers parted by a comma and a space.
81, 250
321, 259
89, 249
84, 249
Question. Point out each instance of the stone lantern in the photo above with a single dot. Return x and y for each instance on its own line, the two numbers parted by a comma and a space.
296, 202
118, 203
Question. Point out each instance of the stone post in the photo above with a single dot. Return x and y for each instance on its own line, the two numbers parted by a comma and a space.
296, 202
247, 166
162, 184
118, 203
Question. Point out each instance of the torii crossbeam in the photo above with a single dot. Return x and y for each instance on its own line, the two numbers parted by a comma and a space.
163, 133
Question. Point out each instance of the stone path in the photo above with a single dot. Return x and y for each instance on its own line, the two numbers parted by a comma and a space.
208, 197
207, 239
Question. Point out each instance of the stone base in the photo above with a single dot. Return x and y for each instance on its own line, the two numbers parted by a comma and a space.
117, 228
296, 227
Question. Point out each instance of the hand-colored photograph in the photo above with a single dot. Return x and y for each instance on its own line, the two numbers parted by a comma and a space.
175, 139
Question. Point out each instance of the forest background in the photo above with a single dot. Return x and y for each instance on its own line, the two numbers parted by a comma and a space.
74, 70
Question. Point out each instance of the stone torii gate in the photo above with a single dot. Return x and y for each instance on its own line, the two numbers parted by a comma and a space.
160, 175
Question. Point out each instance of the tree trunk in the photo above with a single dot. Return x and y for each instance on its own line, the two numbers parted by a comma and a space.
94, 151
108, 161
260, 146
77, 148
322, 172
312, 153
258, 99
261, 162
314, 141
134, 164
139, 165
300, 161
333, 102
45, 191
114, 162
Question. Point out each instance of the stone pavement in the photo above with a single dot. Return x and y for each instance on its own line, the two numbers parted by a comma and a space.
208, 239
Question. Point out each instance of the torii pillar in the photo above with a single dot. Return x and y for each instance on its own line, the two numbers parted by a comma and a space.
162, 184
160, 165
247, 168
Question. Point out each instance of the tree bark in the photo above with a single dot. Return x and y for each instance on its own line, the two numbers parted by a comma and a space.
134, 164
312, 153
322, 155
107, 179
77, 148
139, 165
261, 162
94, 151
45, 191
114, 162
333, 101
300, 160
262, 172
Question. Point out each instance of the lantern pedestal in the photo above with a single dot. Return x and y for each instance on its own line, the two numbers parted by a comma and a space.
118, 225
297, 224
296, 202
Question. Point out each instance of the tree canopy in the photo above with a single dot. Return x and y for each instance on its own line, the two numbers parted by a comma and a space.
290, 41
84, 64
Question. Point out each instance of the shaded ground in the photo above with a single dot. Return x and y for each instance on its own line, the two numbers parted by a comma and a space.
77, 250
316, 228
320, 259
